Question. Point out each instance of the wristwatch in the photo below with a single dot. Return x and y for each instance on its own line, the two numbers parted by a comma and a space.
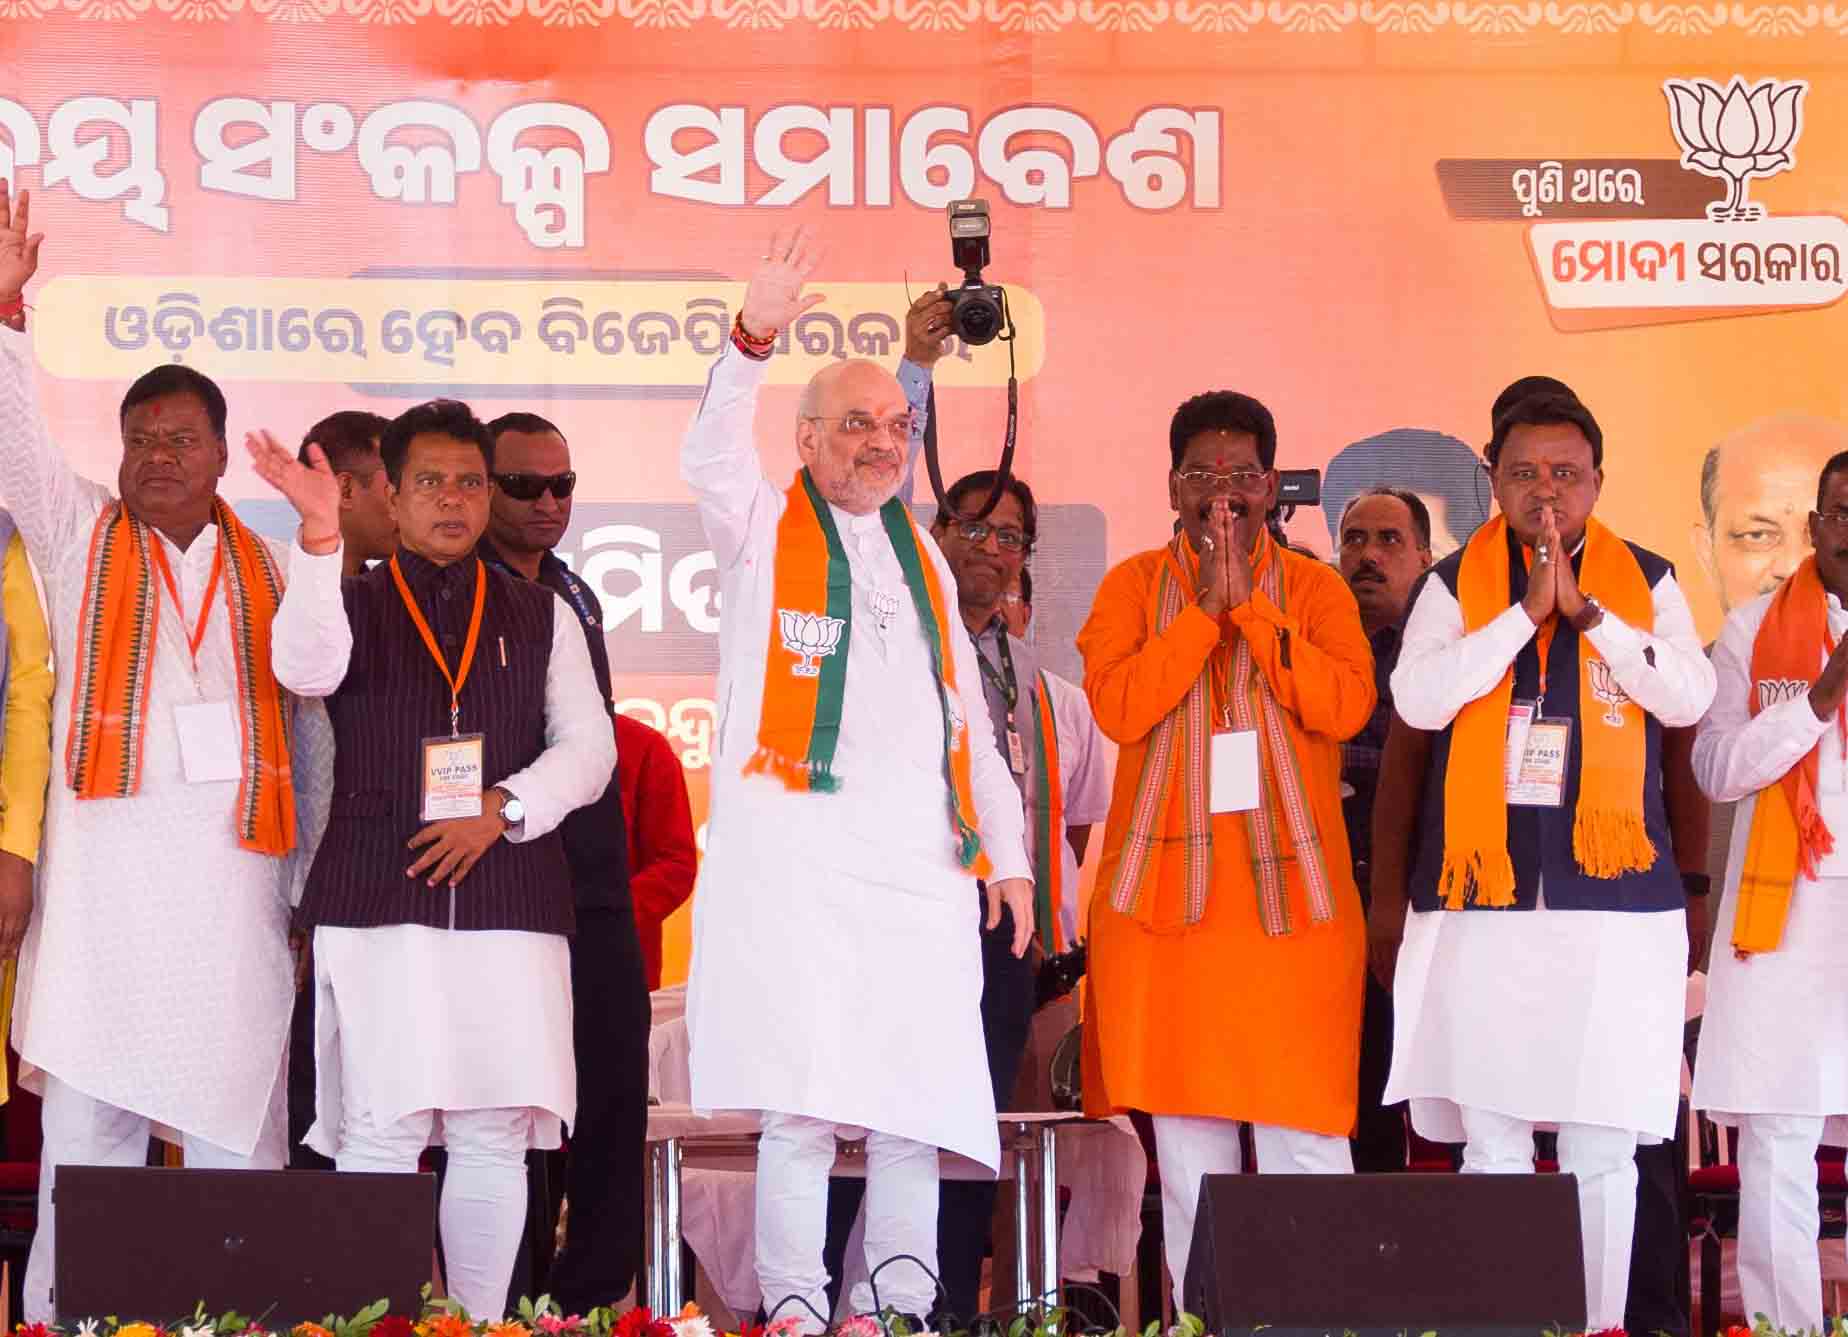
512, 811
1589, 616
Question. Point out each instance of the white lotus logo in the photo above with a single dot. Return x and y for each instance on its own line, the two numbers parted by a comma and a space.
810, 636
1605, 687
1736, 133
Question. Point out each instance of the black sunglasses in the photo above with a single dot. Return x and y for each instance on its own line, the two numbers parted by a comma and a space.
527, 487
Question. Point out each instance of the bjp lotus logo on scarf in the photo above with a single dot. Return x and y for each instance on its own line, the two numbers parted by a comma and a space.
1604, 687
1736, 134
810, 637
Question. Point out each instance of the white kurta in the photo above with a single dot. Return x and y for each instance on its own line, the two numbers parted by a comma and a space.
837, 966
1775, 1036
1550, 1016
155, 975
417, 1018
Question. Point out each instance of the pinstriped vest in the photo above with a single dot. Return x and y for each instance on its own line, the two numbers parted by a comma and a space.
392, 698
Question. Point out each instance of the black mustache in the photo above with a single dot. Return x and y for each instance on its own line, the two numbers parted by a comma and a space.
1366, 571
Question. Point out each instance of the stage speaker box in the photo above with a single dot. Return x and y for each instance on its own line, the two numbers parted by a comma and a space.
1466, 1255
282, 1246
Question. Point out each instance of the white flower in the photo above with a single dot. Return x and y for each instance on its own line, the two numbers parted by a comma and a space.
694, 1325
87, 1328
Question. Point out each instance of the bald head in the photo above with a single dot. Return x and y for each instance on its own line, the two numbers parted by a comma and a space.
832, 386
853, 434
1757, 487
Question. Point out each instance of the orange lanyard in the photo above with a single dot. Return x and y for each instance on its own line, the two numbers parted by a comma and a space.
456, 679
197, 638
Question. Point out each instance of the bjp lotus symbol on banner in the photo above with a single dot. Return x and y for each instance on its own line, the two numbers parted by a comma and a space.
809, 636
1736, 134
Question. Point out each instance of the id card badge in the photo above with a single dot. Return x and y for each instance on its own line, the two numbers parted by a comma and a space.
452, 770
1016, 753
1520, 719
1233, 783
1541, 780
211, 747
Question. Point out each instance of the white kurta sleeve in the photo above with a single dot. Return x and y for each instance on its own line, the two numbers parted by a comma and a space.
718, 457
1664, 671
311, 640
1082, 758
580, 744
1440, 669
914, 380
51, 505
1736, 754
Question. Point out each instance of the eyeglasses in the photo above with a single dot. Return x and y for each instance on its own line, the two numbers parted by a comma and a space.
977, 532
1241, 480
527, 487
898, 426
1837, 520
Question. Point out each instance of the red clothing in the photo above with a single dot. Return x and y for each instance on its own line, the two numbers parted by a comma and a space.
662, 856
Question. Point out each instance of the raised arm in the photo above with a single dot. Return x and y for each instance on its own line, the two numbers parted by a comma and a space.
718, 455
1737, 753
1664, 670
311, 639
1316, 658
927, 325
50, 503
1132, 675
1441, 669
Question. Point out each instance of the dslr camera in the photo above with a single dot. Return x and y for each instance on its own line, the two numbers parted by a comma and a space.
977, 309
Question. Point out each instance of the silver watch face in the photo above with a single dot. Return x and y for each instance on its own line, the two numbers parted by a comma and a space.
514, 811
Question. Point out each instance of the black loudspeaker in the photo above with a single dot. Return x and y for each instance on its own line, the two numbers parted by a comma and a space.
280, 1245
1383, 1255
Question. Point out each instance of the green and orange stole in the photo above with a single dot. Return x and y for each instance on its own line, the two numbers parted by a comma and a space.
1788, 835
1049, 824
811, 621
1609, 838
117, 630
1166, 813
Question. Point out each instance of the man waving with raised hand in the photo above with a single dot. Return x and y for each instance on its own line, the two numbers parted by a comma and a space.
853, 807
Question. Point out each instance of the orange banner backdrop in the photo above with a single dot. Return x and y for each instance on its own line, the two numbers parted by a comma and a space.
1370, 215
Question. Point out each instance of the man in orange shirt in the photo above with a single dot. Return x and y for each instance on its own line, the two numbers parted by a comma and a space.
1227, 940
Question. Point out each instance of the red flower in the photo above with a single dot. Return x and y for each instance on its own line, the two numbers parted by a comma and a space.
1736, 1330
1608, 1332
394, 1325
33, 1330
635, 1323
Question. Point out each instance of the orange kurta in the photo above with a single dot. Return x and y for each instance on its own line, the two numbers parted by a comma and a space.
1216, 1018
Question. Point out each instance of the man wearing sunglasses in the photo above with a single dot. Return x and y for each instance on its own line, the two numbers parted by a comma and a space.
528, 513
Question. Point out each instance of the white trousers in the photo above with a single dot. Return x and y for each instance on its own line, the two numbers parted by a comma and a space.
483, 1210
80, 1130
794, 1158
1188, 1147
1780, 1272
1603, 1160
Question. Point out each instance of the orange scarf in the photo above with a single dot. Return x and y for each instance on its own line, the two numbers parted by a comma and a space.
1608, 835
117, 630
1167, 814
812, 620
1788, 835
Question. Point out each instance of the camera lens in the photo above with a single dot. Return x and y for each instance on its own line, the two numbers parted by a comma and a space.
976, 318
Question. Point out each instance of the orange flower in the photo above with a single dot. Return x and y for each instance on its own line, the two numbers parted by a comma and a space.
310, 1330
509, 1330
450, 1325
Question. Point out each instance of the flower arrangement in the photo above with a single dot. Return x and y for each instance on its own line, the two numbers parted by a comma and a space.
542, 1318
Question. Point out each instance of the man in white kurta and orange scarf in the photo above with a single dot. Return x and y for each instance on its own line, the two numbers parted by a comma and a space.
837, 972
155, 983
1774, 1044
